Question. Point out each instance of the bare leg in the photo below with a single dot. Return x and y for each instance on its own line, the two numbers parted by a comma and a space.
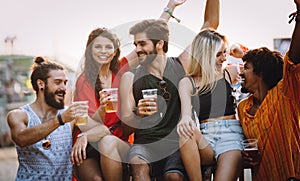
112, 150
190, 153
229, 166
89, 170
140, 169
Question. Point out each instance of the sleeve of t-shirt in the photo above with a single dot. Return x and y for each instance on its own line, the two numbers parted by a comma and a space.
291, 77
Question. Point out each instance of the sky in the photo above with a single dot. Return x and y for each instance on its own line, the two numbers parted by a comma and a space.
60, 28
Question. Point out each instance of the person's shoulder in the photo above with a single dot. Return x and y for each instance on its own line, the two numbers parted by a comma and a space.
175, 59
16, 114
245, 101
81, 77
129, 74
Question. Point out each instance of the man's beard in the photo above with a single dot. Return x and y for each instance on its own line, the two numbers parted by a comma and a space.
149, 59
50, 98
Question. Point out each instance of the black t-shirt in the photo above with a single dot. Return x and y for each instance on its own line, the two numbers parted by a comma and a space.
163, 123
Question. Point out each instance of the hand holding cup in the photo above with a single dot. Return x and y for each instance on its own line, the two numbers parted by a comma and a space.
250, 152
109, 99
148, 105
81, 112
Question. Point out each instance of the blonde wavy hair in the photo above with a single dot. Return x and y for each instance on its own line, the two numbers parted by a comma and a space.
203, 55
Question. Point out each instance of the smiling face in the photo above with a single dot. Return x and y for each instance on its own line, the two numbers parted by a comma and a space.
221, 56
103, 50
55, 89
250, 79
145, 48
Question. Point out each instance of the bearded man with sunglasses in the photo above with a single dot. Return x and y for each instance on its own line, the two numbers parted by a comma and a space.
42, 130
155, 152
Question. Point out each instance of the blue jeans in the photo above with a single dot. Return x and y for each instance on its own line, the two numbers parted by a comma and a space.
223, 135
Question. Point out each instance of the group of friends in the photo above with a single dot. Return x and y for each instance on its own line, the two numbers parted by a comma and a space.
194, 122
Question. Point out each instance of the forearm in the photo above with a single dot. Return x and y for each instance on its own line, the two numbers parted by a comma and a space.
211, 14
165, 15
130, 121
36, 133
97, 133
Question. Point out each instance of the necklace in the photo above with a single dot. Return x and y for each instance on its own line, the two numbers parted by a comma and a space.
46, 144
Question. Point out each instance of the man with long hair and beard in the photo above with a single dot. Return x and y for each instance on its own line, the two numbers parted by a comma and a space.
42, 130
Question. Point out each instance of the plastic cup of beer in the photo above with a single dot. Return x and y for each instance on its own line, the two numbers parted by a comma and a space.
149, 93
250, 147
82, 119
112, 103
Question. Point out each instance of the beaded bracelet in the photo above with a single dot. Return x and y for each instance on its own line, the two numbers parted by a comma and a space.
167, 10
294, 15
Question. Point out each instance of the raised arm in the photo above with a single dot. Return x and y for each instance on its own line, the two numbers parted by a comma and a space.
294, 52
211, 14
169, 9
211, 20
132, 56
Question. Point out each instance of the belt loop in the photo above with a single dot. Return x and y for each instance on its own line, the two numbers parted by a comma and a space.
226, 123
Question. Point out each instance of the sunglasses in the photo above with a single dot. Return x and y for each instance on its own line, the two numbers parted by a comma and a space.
163, 85
46, 144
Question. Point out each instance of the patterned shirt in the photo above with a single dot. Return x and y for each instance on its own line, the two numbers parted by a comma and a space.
276, 125
36, 163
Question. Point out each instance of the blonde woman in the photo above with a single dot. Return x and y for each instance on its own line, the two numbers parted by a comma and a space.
206, 88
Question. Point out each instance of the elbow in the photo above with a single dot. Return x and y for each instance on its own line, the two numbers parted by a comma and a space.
212, 25
18, 141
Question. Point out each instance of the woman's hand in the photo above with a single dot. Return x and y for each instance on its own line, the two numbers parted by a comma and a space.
78, 153
104, 97
185, 127
178, 2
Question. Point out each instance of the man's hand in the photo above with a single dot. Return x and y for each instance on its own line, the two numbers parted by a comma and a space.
147, 107
78, 153
250, 161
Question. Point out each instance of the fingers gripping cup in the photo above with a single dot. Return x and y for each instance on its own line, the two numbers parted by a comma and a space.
112, 102
250, 146
150, 93
82, 116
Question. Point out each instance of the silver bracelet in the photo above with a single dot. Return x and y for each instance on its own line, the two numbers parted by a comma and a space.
80, 135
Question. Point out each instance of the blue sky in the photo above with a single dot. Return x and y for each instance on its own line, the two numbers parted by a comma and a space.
59, 28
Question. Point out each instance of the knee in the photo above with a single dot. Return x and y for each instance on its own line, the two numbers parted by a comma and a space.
173, 176
97, 178
107, 143
138, 166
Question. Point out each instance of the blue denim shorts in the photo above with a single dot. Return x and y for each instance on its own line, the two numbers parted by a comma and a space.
223, 135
